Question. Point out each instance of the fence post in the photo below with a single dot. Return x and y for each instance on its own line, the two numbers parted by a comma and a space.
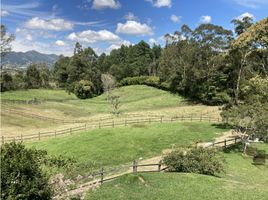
3, 139
159, 165
201, 117
21, 137
39, 136
134, 166
70, 131
225, 143
182, 118
99, 125
85, 127
55, 133
149, 120
191, 117
125, 122
235, 140
102, 174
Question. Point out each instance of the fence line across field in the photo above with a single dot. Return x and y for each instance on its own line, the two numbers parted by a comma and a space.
28, 114
111, 123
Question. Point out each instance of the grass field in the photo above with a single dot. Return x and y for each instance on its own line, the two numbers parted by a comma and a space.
113, 147
39, 94
241, 181
137, 99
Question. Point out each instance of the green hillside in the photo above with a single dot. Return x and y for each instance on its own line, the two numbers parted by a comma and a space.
241, 181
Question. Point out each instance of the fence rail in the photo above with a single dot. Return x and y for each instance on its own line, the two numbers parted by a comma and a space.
104, 124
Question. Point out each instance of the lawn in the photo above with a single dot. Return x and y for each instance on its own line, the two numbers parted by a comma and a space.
39, 94
241, 181
116, 146
132, 98
137, 99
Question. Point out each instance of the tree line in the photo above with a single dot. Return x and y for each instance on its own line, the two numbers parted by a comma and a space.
209, 64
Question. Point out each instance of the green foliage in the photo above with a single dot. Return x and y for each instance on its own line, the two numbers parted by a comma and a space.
21, 174
84, 89
6, 82
6, 39
196, 67
141, 80
241, 25
195, 160
251, 113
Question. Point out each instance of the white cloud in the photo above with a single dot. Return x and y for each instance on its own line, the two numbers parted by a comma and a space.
130, 16
26, 9
56, 24
119, 44
134, 28
90, 36
175, 18
205, 19
161, 3
251, 3
21, 45
4, 13
246, 14
102, 4
29, 37
60, 43
153, 41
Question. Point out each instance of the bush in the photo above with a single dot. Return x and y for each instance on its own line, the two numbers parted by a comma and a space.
84, 89
195, 160
21, 174
141, 80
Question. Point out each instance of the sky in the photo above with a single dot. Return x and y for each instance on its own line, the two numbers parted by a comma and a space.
54, 26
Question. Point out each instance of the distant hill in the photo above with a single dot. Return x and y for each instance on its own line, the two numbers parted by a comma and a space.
23, 59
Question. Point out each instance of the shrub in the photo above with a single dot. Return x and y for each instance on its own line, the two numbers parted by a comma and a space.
141, 80
21, 174
84, 89
195, 160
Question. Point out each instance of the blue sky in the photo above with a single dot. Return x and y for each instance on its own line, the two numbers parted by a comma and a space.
53, 26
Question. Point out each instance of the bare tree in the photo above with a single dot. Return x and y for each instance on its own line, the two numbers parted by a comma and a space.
115, 102
108, 83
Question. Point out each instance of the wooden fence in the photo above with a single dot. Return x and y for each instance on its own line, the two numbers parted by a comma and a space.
101, 176
112, 123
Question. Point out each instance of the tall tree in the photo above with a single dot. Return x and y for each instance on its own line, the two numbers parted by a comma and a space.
6, 39
254, 40
241, 25
33, 76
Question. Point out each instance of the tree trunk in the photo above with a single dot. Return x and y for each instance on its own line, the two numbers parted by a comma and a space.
238, 85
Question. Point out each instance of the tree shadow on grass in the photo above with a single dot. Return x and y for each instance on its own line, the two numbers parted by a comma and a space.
222, 126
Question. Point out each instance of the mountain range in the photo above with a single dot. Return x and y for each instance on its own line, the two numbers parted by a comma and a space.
23, 59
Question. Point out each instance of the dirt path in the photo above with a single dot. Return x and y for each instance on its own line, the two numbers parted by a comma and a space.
83, 188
